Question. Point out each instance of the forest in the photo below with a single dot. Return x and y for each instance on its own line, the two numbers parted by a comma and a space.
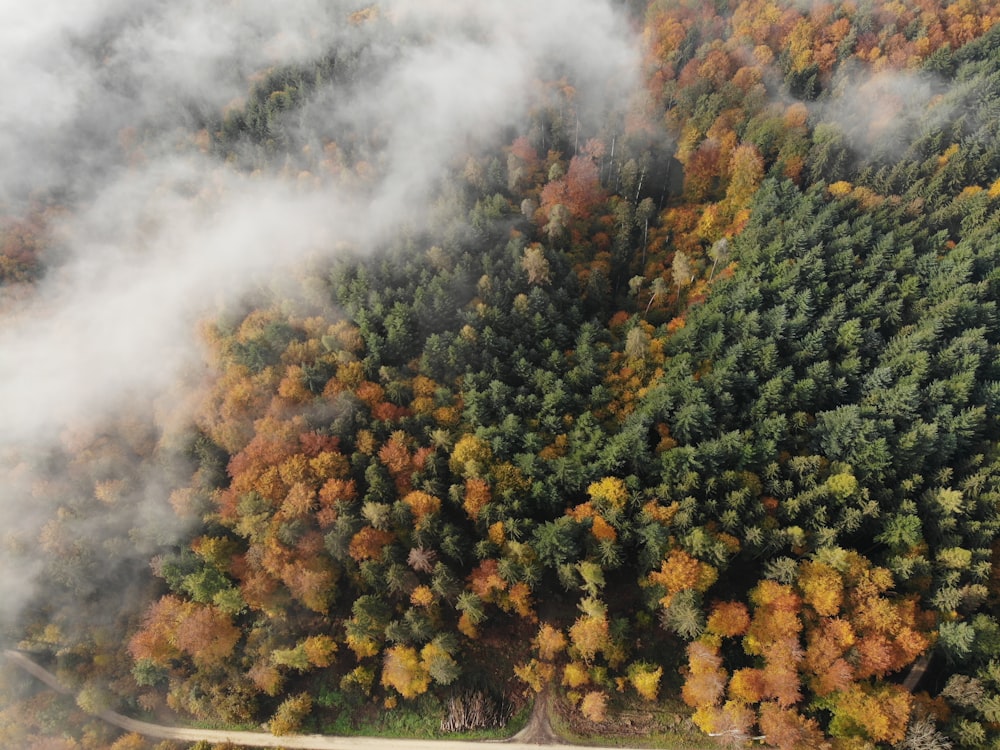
690, 400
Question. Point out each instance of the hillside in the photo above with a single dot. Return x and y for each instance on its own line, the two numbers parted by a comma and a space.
679, 385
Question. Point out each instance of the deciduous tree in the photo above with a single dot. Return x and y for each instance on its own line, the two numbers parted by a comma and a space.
403, 671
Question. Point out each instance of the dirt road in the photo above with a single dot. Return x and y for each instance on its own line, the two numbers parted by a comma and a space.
263, 739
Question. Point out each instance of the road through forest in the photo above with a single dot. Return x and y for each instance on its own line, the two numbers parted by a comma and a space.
264, 739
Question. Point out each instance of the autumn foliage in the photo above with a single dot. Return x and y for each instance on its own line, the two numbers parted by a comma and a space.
705, 387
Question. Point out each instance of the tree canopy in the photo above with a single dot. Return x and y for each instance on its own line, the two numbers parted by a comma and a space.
700, 398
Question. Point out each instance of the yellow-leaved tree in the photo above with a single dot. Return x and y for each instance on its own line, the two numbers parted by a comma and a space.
404, 672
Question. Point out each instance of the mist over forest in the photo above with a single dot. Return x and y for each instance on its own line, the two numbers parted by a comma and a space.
361, 361
152, 231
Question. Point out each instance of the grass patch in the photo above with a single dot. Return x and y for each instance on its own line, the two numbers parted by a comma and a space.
417, 719
630, 722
